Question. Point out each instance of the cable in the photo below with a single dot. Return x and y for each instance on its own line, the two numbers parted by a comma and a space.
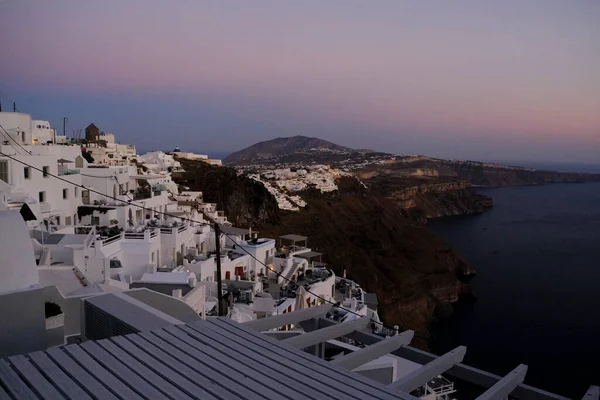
279, 274
104, 195
11, 138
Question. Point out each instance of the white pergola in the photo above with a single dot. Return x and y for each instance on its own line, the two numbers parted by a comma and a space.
319, 330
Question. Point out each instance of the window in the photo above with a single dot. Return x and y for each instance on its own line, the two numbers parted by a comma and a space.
67, 220
75, 191
42, 197
65, 194
4, 171
58, 221
27, 172
23, 137
95, 220
45, 171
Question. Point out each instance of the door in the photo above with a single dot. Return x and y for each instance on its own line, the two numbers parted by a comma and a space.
85, 196
228, 275
239, 271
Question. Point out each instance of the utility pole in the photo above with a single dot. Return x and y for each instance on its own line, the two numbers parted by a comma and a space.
219, 285
14, 106
65, 119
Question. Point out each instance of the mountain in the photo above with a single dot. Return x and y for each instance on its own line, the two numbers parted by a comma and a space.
275, 148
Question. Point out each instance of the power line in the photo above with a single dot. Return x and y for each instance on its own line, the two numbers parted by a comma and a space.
18, 144
279, 274
104, 195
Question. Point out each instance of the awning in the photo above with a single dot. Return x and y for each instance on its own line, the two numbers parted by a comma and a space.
294, 238
308, 255
232, 230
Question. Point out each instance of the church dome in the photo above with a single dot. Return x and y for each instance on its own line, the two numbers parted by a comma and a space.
18, 269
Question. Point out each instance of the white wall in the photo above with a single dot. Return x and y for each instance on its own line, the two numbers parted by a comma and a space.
41, 132
23, 321
52, 187
18, 126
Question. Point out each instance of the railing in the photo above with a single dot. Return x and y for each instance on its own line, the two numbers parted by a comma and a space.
134, 235
45, 207
112, 239
147, 234
174, 230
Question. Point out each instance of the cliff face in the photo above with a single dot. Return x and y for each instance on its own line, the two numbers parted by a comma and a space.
412, 270
479, 173
246, 203
423, 194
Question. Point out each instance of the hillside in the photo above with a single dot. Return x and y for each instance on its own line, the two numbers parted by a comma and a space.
413, 271
272, 149
245, 202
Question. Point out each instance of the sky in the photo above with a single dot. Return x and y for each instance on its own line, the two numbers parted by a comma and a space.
510, 80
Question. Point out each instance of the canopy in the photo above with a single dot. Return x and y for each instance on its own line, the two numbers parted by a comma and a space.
294, 238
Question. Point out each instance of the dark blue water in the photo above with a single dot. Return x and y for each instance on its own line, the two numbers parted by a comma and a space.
537, 256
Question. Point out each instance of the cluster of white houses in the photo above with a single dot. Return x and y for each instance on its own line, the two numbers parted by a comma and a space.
117, 249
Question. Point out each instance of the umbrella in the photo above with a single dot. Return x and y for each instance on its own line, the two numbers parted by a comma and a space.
301, 298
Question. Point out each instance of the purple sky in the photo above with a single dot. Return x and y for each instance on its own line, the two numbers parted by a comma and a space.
497, 80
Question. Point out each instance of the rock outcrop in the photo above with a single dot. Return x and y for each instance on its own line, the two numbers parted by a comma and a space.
413, 271
246, 202
425, 195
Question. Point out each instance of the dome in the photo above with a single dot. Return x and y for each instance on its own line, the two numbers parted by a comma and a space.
18, 269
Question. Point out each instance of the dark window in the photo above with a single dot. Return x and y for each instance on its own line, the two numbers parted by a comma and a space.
65, 194
27, 172
45, 171
42, 197
4, 171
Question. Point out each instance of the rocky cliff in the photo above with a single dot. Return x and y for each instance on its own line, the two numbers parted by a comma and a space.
482, 173
414, 272
245, 202
422, 194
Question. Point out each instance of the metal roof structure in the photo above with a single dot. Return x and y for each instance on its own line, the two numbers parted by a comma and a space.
294, 238
232, 230
308, 254
209, 359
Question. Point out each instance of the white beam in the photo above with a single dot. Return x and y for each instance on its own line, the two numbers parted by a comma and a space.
506, 385
370, 353
294, 317
331, 332
430, 370
593, 393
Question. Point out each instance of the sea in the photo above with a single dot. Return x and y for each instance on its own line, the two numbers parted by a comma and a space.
537, 256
